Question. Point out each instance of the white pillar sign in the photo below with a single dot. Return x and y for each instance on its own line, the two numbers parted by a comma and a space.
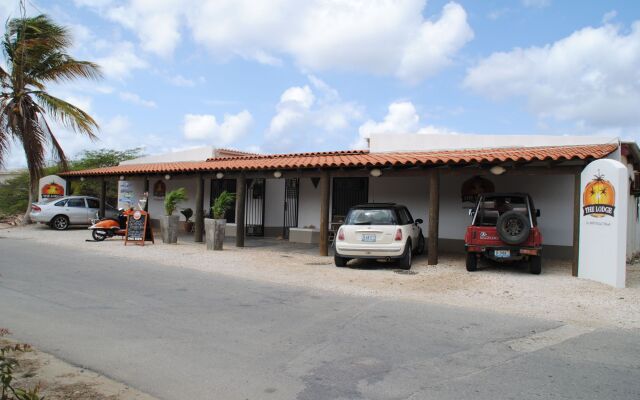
604, 194
51, 187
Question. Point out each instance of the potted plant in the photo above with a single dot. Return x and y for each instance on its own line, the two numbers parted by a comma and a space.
169, 222
215, 226
188, 224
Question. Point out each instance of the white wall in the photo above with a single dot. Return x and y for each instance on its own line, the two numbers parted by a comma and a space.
309, 207
274, 203
412, 192
156, 205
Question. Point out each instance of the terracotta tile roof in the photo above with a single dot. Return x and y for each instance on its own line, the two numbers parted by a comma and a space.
361, 158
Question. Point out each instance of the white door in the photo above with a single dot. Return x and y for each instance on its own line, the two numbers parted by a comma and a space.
76, 210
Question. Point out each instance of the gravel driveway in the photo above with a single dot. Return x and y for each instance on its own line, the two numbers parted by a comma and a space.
554, 295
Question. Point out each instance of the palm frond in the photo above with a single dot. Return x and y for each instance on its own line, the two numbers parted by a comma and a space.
62, 67
67, 114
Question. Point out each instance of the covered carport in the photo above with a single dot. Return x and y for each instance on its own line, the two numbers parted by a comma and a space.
427, 181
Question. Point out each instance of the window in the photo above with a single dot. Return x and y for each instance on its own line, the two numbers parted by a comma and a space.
371, 217
405, 217
76, 203
93, 203
60, 203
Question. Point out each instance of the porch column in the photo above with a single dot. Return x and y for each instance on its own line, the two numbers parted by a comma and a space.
103, 196
199, 215
146, 190
576, 225
324, 213
241, 190
67, 189
434, 216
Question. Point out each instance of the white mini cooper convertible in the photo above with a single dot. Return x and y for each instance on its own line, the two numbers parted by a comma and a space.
379, 231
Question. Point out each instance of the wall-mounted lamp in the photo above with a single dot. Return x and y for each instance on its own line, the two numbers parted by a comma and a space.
498, 170
376, 172
167, 177
219, 175
277, 174
121, 177
82, 179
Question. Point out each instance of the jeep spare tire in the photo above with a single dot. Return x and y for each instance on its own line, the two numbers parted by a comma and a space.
513, 227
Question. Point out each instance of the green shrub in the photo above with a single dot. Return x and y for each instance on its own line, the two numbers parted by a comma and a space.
222, 204
8, 364
172, 199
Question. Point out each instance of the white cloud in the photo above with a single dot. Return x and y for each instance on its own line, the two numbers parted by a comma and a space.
181, 81
206, 128
121, 60
402, 117
307, 118
590, 77
136, 99
536, 3
385, 37
609, 16
157, 23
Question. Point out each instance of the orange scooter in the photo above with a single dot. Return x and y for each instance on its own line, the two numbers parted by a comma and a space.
109, 227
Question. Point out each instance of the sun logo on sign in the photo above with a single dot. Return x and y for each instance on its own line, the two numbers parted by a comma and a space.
599, 197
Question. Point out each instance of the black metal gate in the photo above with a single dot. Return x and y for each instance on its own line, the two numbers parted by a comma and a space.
218, 186
254, 210
348, 192
291, 195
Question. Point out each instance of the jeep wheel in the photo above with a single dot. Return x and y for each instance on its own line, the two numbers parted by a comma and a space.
513, 227
535, 265
472, 262
405, 261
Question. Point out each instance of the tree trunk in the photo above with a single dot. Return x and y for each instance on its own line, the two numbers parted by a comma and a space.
33, 196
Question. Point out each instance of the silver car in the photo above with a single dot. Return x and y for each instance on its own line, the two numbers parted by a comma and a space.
71, 210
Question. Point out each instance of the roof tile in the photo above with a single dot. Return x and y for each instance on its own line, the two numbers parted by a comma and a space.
359, 158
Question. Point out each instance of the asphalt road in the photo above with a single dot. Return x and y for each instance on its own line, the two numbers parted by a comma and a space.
182, 334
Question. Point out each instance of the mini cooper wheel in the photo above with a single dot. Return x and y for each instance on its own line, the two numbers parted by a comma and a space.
98, 235
535, 265
60, 222
405, 261
472, 262
340, 261
421, 245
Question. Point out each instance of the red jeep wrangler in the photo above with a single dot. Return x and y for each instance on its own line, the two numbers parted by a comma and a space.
504, 228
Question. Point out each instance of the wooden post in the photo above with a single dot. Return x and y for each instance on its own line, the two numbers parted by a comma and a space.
199, 214
325, 186
103, 196
146, 190
241, 190
576, 225
434, 216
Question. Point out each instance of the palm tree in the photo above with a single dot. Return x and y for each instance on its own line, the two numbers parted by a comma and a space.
35, 55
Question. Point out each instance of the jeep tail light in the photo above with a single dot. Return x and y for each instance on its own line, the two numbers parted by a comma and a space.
35, 208
398, 234
340, 234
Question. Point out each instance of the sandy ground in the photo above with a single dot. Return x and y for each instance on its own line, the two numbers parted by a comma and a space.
58, 380
554, 295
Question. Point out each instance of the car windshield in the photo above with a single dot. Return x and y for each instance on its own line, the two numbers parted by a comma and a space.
371, 217
490, 208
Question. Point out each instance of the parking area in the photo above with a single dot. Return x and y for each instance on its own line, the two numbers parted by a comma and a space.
554, 295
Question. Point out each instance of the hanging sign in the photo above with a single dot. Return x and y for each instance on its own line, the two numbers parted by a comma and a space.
603, 222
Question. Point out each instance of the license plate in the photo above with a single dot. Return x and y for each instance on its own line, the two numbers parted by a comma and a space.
367, 237
502, 253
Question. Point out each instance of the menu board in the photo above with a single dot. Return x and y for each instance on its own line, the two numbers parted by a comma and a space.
138, 228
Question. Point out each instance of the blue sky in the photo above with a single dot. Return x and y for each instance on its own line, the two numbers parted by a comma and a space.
285, 75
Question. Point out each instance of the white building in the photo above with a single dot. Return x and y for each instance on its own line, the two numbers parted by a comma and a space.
286, 191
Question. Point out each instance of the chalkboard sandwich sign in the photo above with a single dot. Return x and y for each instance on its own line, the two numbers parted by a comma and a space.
138, 228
